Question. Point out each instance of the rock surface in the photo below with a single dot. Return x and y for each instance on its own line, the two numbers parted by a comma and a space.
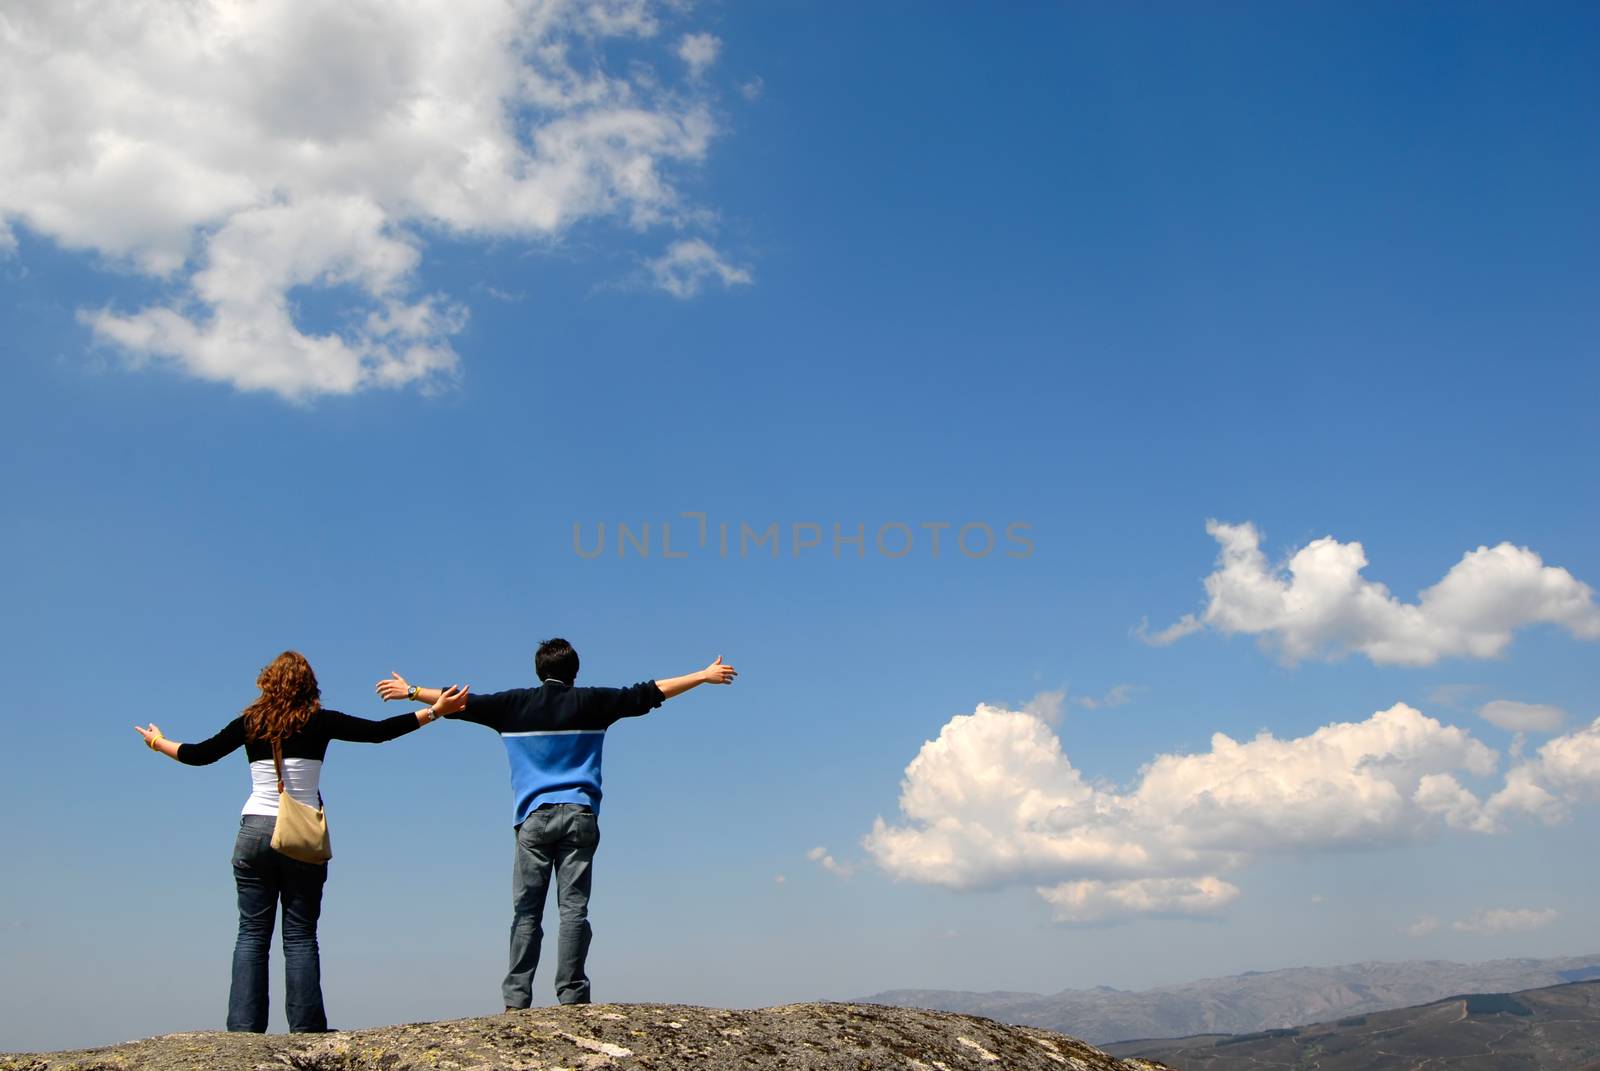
622, 1037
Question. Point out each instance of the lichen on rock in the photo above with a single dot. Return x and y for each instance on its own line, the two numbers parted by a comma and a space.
622, 1037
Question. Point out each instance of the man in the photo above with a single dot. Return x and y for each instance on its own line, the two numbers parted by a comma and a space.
553, 736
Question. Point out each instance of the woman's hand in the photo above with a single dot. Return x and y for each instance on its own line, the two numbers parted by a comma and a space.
453, 700
155, 741
396, 687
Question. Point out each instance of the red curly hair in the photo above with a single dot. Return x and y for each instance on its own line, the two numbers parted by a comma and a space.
289, 696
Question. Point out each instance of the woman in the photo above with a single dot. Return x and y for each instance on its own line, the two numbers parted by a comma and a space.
289, 712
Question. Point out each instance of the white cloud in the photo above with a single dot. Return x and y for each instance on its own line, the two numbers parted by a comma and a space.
820, 856
1523, 794
780, 879
699, 51
1047, 706
246, 154
1424, 925
1522, 717
1491, 922
1442, 795
994, 801
1051, 704
1346, 785
753, 89
1119, 695
1111, 901
689, 264
1570, 764
1187, 625
1318, 604
617, 18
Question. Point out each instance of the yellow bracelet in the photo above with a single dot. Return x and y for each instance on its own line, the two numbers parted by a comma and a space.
155, 740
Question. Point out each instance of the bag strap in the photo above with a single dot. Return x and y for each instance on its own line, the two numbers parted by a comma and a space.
277, 761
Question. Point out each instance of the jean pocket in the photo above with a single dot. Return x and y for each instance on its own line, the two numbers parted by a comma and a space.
531, 833
586, 829
248, 847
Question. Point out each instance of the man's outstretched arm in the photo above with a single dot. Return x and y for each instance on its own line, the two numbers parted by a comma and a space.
489, 710
715, 673
397, 687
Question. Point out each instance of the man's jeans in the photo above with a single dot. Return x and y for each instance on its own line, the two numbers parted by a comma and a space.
264, 877
561, 837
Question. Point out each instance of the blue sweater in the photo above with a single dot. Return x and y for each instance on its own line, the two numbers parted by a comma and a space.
554, 735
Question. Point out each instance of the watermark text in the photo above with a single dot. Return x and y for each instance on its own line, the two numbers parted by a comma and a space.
695, 534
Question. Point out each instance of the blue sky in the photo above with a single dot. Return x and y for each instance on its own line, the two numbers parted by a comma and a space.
1327, 271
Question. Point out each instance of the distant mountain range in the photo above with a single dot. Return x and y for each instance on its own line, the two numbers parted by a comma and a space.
1552, 1029
1251, 1002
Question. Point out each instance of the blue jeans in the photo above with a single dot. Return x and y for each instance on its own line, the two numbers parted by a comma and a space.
264, 877
560, 839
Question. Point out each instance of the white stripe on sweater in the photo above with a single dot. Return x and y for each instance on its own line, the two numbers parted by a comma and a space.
560, 732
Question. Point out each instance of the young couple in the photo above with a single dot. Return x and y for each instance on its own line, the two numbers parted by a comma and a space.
553, 735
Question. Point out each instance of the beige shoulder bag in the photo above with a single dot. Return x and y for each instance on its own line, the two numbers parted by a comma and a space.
301, 832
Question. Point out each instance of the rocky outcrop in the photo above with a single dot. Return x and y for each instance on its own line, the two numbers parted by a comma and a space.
623, 1037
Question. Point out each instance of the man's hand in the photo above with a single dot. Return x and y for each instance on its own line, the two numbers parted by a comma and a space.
396, 687
717, 673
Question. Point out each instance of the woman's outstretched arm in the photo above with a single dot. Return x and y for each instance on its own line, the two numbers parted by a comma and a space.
362, 730
230, 739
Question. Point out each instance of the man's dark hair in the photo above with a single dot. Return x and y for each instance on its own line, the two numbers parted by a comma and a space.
555, 660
